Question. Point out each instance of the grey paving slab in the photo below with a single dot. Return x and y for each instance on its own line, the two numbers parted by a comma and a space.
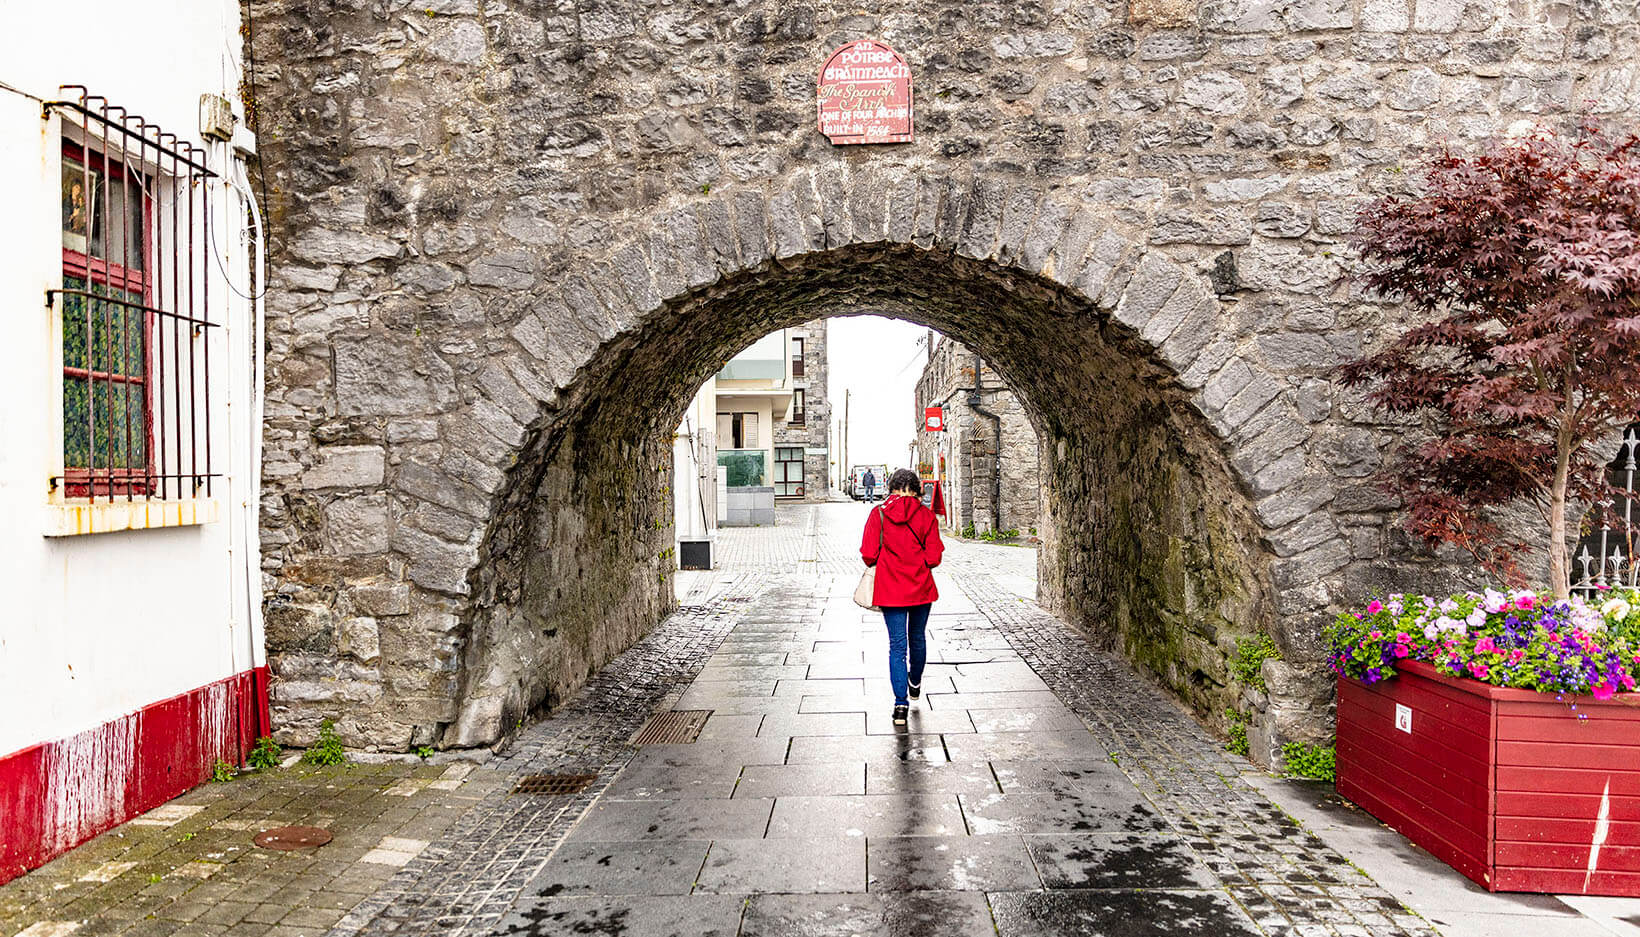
1133, 913
719, 671
619, 820
725, 751
1075, 744
649, 777
1006, 699
835, 778
691, 916
914, 814
921, 720
844, 687
839, 703
868, 748
905, 914
1068, 776
901, 777
722, 725
1034, 719
631, 867
795, 724
1059, 812
950, 863
795, 866
1121, 860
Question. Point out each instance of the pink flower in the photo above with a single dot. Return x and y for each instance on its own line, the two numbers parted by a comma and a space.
1524, 602
1374, 607
1479, 669
1400, 650
1375, 634
1485, 646
1603, 690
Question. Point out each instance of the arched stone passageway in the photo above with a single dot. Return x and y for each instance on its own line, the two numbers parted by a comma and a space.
532, 521
1150, 537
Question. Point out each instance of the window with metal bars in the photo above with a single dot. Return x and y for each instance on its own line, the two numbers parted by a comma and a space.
134, 308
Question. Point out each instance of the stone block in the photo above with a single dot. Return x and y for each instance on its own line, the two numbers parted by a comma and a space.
381, 599
433, 563
347, 467
358, 525
323, 246
358, 638
1153, 284
1216, 92
508, 270
379, 377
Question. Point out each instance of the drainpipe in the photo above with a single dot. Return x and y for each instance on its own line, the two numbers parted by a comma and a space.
996, 465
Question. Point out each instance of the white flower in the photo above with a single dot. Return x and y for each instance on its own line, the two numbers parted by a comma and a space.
1430, 631
1476, 618
1449, 605
1616, 610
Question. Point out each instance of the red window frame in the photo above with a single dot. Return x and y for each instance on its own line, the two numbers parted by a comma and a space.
108, 481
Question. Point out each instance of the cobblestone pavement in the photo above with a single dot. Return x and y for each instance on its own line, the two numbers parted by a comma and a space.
1042, 788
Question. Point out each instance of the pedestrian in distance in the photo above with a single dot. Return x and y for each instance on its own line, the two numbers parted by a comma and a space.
868, 482
902, 542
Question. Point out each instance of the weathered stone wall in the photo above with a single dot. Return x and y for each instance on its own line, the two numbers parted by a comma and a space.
505, 233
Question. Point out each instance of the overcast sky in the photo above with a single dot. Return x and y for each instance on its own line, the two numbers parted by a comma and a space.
879, 360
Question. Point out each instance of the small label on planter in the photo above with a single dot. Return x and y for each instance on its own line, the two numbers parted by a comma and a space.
1403, 718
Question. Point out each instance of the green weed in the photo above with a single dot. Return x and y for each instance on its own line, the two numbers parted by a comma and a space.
266, 754
1317, 762
1235, 723
328, 749
1248, 663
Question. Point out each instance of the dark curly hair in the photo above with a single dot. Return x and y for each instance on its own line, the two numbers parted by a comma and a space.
904, 480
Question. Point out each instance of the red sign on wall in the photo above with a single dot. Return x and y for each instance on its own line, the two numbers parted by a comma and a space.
865, 94
934, 419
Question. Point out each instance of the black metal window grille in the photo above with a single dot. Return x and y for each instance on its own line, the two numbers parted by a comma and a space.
1605, 556
135, 306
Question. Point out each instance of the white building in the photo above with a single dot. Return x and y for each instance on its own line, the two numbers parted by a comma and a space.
130, 643
724, 467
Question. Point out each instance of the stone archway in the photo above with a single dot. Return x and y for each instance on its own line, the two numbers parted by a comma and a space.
483, 211
527, 501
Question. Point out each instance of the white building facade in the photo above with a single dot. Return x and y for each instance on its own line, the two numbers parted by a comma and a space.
130, 645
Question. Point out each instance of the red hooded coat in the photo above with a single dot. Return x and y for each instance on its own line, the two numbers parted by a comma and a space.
911, 548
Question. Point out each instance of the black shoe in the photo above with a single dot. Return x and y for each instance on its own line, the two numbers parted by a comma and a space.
916, 691
900, 713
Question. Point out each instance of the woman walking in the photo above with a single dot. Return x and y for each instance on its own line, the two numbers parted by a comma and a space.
902, 540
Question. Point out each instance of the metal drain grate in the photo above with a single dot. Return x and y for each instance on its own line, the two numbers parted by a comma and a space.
554, 783
675, 727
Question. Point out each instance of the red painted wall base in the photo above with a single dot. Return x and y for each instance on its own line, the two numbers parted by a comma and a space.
56, 795
1517, 790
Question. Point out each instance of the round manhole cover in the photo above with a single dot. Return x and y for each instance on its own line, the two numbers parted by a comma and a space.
292, 837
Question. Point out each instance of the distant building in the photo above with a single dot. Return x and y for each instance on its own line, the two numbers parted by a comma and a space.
986, 457
801, 454
755, 432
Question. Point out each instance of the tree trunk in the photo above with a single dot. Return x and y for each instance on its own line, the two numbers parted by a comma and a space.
1559, 565
1560, 577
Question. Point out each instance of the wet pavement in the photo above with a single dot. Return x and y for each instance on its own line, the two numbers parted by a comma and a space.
1041, 788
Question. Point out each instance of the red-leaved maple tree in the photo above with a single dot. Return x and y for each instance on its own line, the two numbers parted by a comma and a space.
1523, 261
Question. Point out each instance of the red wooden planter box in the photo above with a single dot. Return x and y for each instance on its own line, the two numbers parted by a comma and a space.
1516, 789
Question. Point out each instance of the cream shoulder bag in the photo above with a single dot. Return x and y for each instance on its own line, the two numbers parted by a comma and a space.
866, 591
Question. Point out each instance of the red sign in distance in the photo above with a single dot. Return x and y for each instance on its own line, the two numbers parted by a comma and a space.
934, 419
864, 94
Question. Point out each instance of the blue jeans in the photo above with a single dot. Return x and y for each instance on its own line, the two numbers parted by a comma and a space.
906, 622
